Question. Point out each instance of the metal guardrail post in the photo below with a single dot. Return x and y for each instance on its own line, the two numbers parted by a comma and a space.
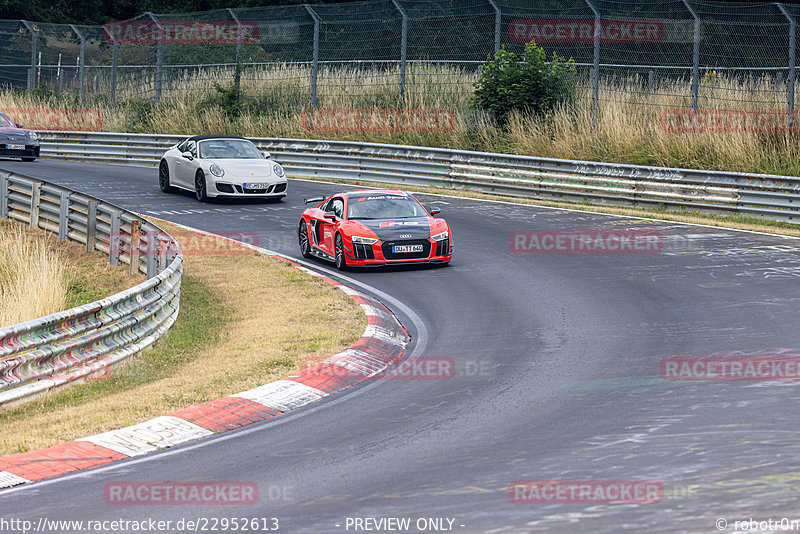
63, 216
34, 46
792, 64
136, 238
498, 18
82, 63
159, 58
3, 196
595, 76
113, 239
91, 226
36, 195
403, 47
162, 254
314, 55
695, 57
152, 265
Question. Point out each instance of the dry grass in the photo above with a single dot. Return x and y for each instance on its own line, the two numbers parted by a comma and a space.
32, 280
41, 275
628, 128
245, 320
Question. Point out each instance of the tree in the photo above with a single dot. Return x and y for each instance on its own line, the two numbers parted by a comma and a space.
529, 84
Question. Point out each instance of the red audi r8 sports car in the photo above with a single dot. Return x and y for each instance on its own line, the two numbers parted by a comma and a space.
373, 227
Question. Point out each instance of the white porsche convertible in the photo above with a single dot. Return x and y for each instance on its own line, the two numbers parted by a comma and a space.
221, 165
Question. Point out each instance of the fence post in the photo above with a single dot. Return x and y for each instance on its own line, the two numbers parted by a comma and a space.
403, 47
114, 54
91, 226
595, 76
159, 58
113, 239
238, 72
4, 196
792, 65
314, 55
36, 195
82, 63
63, 216
34, 46
498, 17
695, 57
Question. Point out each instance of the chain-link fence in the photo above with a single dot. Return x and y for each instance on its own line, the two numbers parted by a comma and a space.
389, 52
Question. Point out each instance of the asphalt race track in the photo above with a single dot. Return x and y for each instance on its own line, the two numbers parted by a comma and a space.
560, 363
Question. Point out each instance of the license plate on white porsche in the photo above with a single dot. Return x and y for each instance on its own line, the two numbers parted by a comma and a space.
15, 147
399, 249
255, 186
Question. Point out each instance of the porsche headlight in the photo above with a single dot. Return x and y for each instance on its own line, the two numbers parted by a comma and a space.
217, 171
358, 240
32, 136
278, 170
441, 237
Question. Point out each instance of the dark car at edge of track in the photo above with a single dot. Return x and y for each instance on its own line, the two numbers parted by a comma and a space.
17, 142
373, 227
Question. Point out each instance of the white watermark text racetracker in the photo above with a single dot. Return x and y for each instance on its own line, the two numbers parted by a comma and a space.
148, 525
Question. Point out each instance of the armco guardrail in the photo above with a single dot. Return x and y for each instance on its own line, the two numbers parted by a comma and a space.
771, 196
84, 342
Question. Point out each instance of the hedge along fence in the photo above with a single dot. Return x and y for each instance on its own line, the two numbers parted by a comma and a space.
86, 341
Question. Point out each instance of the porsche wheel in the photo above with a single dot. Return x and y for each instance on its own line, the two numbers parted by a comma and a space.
305, 246
200, 186
163, 178
341, 262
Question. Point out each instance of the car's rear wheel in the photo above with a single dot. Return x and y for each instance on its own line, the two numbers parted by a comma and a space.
28, 159
200, 186
341, 262
305, 245
163, 178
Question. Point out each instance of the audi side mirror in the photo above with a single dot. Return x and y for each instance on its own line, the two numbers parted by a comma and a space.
434, 211
331, 216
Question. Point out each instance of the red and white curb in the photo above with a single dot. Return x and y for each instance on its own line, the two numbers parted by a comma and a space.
383, 341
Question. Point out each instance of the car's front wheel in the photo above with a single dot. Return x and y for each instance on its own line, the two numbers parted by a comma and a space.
28, 159
302, 235
341, 262
163, 178
200, 186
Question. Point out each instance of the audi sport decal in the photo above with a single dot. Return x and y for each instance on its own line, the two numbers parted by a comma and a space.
389, 224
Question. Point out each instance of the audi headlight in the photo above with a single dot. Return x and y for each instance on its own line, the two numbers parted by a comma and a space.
358, 240
441, 237
278, 170
217, 171
32, 136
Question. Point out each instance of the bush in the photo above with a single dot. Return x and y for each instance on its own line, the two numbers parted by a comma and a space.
529, 84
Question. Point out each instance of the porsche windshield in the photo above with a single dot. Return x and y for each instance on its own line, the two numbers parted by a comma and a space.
384, 207
5, 122
228, 149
